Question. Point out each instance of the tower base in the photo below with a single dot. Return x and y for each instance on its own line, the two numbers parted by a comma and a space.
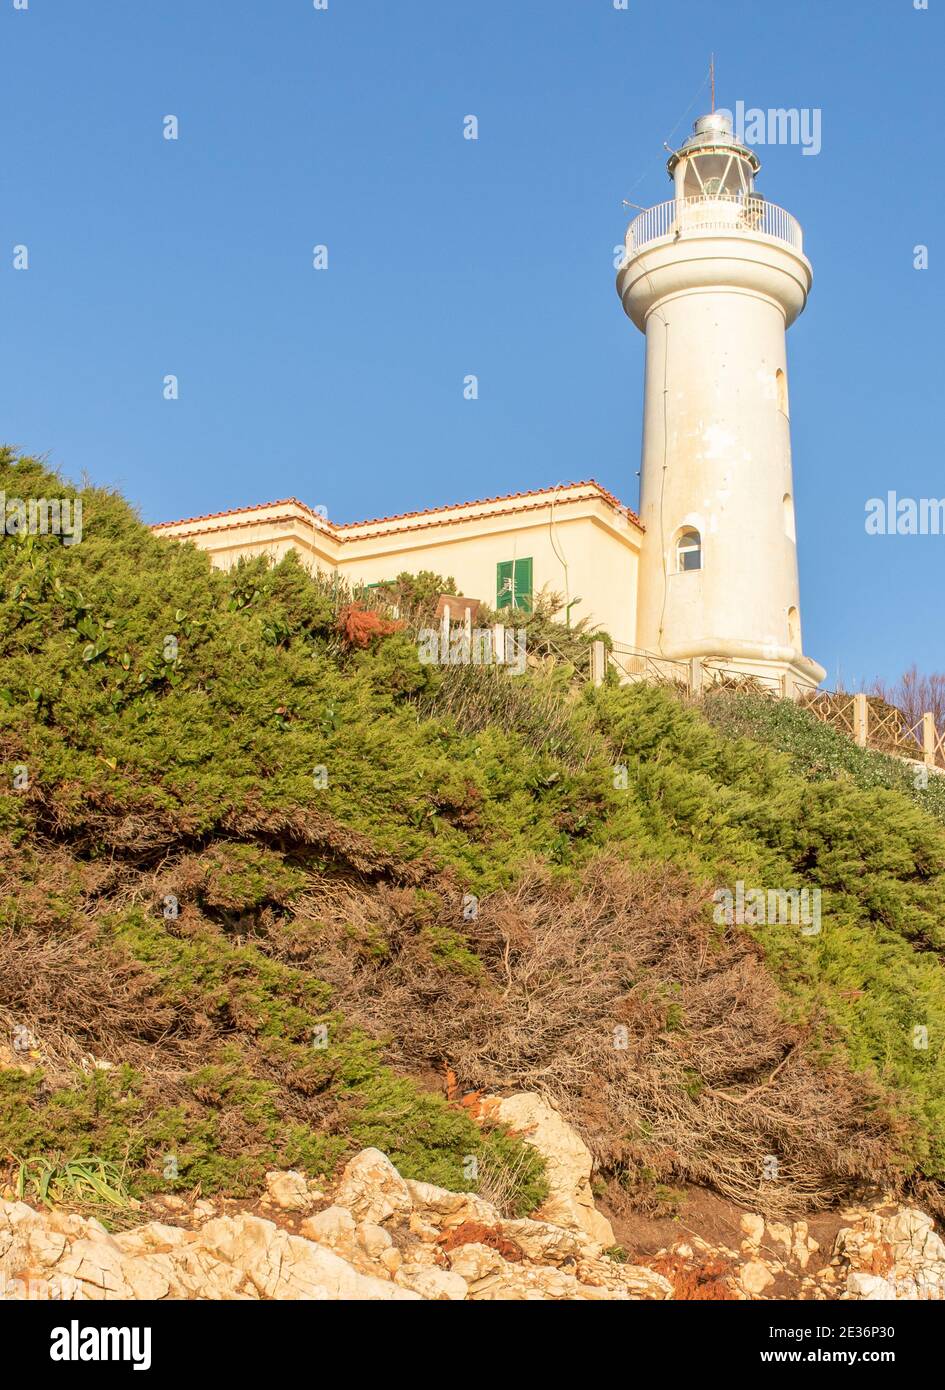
782, 671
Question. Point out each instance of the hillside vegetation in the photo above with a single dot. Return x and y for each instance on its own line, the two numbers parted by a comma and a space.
299, 890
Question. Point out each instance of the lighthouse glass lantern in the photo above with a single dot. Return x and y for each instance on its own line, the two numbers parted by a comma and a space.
712, 164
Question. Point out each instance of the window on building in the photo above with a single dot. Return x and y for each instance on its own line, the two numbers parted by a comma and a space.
688, 550
794, 628
513, 584
781, 384
717, 174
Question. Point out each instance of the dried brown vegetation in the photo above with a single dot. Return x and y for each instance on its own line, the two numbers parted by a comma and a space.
707, 1281
359, 626
661, 1036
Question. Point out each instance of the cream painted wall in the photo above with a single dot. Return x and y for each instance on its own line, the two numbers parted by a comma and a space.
717, 446
728, 469
582, 547
264, 531
580, 558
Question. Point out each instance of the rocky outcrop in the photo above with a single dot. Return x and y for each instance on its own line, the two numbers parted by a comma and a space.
372, 1189
883, 1254
290, 1191
898, 1256
568, 1163
382, 1238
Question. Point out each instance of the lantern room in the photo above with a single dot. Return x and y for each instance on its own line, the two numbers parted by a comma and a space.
713, 164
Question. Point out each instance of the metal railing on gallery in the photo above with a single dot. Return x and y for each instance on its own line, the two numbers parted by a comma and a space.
709, 216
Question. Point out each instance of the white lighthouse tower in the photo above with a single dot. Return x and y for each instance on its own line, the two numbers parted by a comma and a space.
714, 278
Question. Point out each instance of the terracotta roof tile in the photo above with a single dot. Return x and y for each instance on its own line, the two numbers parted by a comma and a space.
237, 511
487, 501
334, 528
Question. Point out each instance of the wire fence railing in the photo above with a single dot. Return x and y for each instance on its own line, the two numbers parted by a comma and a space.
869, 721
634, 664
712, 216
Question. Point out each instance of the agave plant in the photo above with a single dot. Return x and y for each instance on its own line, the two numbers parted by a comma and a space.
85, 1182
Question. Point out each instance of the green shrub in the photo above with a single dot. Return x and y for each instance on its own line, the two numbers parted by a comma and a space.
171, 718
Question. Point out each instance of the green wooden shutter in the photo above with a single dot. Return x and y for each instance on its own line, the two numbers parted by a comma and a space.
504, 584
523, 585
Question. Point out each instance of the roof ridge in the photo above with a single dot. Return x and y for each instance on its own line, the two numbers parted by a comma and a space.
477, 502
235, 511
335, 527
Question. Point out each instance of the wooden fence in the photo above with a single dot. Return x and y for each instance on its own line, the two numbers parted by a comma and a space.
869, 721
872, 723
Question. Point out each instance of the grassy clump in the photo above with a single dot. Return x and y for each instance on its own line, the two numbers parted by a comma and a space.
93, 1186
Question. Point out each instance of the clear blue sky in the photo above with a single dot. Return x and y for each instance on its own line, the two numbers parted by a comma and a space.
447, 257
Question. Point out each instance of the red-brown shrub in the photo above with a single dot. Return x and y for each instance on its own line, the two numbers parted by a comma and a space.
359, 625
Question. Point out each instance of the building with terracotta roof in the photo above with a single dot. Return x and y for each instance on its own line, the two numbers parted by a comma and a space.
575, 540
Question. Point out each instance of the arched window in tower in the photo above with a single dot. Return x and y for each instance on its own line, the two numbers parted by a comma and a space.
794, 628
787, 505
688, 550
781, 387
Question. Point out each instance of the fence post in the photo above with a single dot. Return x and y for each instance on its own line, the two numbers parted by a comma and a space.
498, 644
861, 717
598, 662
696, 675
445, 635
929, 739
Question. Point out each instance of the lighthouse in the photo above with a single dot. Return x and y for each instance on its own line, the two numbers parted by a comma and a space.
714, 278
